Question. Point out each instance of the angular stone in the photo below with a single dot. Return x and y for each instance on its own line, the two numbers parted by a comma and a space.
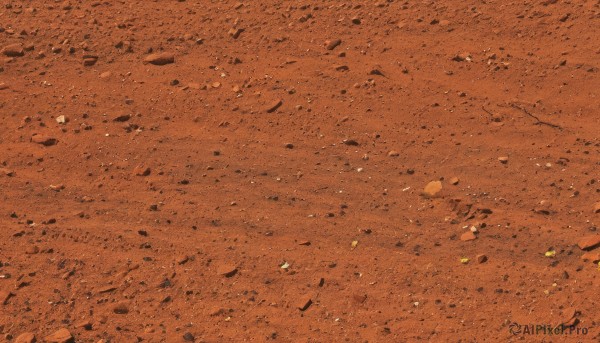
468, 236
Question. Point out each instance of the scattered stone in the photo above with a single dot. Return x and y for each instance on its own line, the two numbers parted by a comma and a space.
432, 188
359, 298
26, 337
105, 75
160, 59
32, 250
589, 242
4, 296
356, 21
304, 303
85, 324
454, 181
227, 270
597, 207
594, 257
107, 289
122, 118
468, 236
89, 60
141, 171
188, 337
341, 67
332, 44
235, 33
503, 159
289, 146
376, 72
569, 317
13, 50
7, 172
393, 153
183, 259
121, 307
544, 207
60, 336
481, 258
274, 106
351, 142
44, 140
3, 86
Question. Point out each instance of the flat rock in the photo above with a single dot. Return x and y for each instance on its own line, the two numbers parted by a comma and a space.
393, 153
60, 336
227, 270
44, 140
503, 159
160, 59
454, 181
14, 50
26, 337
589, 242
432, 188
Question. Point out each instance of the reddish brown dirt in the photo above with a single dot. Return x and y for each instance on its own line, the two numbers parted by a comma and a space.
164, 210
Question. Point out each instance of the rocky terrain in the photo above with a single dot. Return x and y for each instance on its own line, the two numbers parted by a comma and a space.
299, 171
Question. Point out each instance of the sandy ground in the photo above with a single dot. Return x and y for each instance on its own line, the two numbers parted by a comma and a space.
299, 171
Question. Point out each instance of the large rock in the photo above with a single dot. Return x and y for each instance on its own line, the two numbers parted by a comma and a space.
60, 336
589, 242
160, 58
13, 50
